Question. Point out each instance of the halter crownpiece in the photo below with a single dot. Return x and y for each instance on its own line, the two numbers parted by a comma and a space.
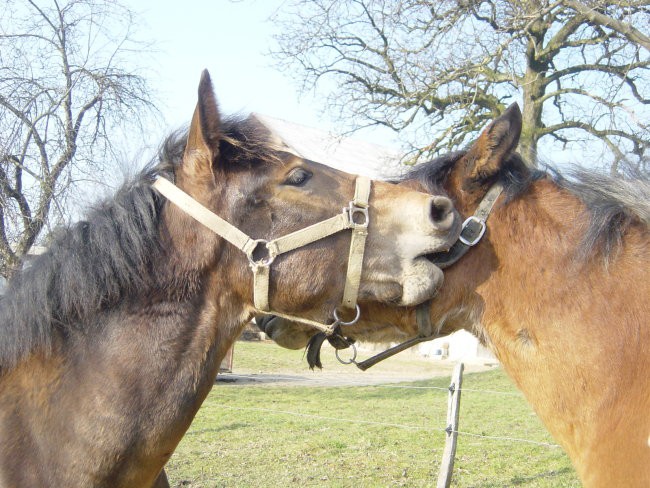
261, 267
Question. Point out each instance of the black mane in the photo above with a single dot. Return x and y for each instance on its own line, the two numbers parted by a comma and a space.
515, 174
613, 203
106, 258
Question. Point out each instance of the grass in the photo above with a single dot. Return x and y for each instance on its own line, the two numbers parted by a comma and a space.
370, 436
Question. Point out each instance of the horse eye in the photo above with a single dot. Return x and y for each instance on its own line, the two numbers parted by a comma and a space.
298, 177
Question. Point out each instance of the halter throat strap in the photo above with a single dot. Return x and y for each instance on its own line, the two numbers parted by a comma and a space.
355, 217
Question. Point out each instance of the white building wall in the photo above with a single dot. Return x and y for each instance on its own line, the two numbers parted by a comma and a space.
459, 346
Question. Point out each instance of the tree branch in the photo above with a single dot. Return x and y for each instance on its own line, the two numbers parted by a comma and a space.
626, 30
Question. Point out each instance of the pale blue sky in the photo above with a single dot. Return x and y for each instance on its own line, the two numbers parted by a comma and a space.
231, 40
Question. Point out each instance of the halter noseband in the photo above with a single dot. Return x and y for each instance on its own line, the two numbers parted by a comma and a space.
261, 267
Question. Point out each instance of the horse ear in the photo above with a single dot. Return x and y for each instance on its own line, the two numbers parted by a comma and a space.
497, 141
202, 148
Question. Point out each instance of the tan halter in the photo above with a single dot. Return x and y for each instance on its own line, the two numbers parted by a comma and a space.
357, 209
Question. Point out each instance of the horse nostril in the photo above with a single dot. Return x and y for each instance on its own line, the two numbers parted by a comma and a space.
441, 207
263, 322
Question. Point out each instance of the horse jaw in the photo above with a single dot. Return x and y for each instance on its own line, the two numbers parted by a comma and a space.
421, 281
290, 335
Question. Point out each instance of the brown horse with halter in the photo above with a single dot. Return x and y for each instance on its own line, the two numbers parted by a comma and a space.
558, 287
111, 340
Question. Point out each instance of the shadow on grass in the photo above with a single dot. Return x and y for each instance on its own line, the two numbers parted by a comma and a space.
524, 480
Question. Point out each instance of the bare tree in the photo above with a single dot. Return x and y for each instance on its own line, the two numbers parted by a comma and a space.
65, 87
438, 71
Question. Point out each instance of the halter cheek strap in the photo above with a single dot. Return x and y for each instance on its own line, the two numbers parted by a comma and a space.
472, 231
357, 210
355, 217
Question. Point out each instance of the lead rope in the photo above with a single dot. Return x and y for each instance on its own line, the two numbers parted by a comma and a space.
261, 267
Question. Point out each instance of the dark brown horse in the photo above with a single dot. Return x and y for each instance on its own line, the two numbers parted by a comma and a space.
111, 340
559, 288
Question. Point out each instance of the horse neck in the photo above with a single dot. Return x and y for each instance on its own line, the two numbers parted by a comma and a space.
563, 325
552, 294
211, 283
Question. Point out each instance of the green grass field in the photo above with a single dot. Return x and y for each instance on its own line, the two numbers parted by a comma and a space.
361, 436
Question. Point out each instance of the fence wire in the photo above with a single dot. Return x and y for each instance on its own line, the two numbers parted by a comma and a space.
441, 388
386, 424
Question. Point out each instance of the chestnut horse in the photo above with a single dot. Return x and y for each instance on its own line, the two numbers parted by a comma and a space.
559, 288
111, 340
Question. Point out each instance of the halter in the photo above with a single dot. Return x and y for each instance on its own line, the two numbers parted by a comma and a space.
355, 217
472, 231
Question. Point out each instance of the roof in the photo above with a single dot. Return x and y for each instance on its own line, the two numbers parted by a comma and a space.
342, 153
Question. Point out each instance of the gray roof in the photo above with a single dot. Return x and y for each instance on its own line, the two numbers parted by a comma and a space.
342, 153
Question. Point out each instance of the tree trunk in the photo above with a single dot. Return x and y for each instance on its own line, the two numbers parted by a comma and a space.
531, 119
533, 88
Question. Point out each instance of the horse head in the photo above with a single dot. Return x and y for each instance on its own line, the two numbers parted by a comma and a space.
267, 193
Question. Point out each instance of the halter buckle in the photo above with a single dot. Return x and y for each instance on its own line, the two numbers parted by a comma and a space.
353, 210
472, 233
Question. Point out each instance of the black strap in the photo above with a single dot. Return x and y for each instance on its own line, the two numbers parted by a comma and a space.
425, 333
472, 231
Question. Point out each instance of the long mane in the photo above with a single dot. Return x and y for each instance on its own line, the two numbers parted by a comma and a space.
613, 203
107, 258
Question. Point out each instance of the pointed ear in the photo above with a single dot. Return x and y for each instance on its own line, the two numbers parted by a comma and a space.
202, 148
493, 147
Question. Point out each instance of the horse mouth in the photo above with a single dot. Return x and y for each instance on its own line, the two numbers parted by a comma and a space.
443, 258
421, 282
440, 259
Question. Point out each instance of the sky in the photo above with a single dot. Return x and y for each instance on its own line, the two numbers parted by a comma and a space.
231, 39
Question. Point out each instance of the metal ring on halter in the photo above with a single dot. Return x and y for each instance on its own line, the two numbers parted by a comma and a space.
352, 360
351, 210
353, 321
265, 261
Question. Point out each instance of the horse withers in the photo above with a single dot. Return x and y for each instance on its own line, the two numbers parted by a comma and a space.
558, 287
111, 340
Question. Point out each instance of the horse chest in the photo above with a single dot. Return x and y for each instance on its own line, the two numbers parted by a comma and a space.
104, 415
